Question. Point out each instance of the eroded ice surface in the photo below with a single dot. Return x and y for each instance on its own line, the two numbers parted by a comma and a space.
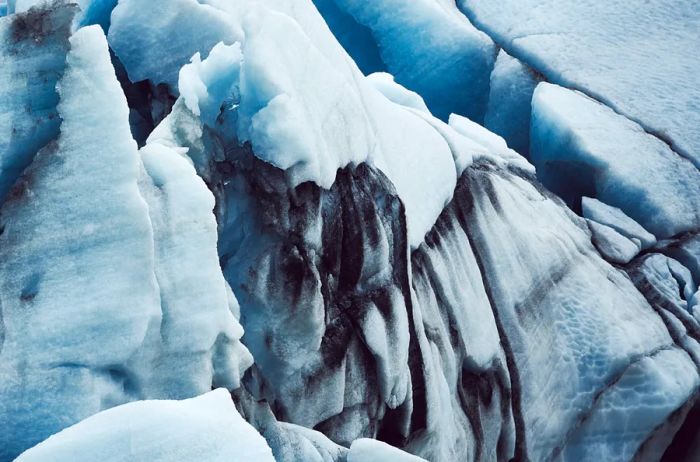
78, 218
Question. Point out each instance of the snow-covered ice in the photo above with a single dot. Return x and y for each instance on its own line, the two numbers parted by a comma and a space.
368, 450
206, 428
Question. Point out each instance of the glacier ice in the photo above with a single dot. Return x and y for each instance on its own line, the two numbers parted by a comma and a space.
207, 428
59, 243
199, 29
510, 92
78, 217
312, 123
582, 148
369, 450
427, 44
33, 47
624, 54
616, 219
367, 281
615, 247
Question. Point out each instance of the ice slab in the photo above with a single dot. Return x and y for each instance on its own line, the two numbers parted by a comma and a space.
634, 57
582, 148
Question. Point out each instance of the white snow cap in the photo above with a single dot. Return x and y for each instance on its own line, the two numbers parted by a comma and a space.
205, 428
369, 450
304, 107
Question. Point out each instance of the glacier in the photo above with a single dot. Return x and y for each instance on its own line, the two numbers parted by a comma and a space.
342, 230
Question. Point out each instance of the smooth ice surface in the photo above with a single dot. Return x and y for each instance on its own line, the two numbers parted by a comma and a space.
430, 48
205, 428
582, 148
637, 58
368, 450
199, 28
356, 38
615, 218
510, 92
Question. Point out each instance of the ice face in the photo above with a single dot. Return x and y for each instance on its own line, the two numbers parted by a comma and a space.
199, 28
78, 211
33, 49
615, 247
428, 45
510, 92
615, 218
582, 148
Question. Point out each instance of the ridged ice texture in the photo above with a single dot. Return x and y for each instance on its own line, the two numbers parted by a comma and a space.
96, 250
565, 349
